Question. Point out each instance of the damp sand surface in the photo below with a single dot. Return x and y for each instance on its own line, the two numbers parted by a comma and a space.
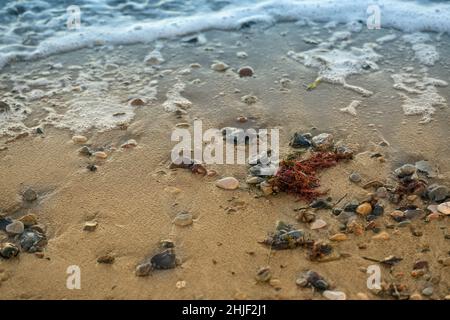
134, 197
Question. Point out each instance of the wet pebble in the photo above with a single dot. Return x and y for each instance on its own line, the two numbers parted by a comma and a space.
354, 177
323, 141
219, 66
8, 250
364, 209
16, 227
437, 193
164, 260
228, 183
183, 219
29, 195
246, 72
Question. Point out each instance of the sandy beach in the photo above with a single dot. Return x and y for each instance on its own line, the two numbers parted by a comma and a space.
122, 211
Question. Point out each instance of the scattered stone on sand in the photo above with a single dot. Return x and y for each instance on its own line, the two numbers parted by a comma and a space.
383, 235
129, 144
301, 140
228, 183
312, 279
4, 107
362, 296
90, 226
266, 188
85, 151
8, 250
437, 192
241, 119
339, 237
405, 170
101, 155
334, 295
183, 219
16, 227
318, 224
106, 259
143, 269
28, 220
444, 208
241, 54
364, 209
137, 102
254, 180
428, 291
182, 125
275, 283
29, 195
246, 72
425, 167
219, 66
249, 99
32, 240
354, 177
323, 141
79, 139
164, 260
415, 296
91, 167
264, 274
382, 192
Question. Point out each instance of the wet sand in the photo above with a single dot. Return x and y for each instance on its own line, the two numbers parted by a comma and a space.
134, 196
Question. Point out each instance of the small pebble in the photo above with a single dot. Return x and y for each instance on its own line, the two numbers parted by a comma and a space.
444, 208
29, 195
100, 155
318, 224
381, 236
362, 296
264, 274
79, 139
129, 144
29, 220
219, 66
136, 102
228, 183
241, 54
428, 291
355, 177
245, 72
106, 259
339, 237
334, 295
15, 227
90, 226
364, 209
183, 219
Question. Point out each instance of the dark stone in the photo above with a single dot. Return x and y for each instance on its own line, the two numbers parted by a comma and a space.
164, 260
378, 210
320, 204
351, 206
300, 141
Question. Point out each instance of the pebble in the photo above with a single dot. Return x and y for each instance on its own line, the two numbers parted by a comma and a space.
246, 72
428, 291
266, 188
29, 195
300, 140
437, 193
143, 269
334, 295
106, 259
364, 209
355, 177
405, 170
276, 283
90, 226
403, 224
444, 208
219, 66
381, 236
85, 151
29, 220
79, 139
164, 260
31, 240
318, 224
228, 183
378, 210
100, 155
137, 102
322, 141
339, 237
183, 219
241, 54
129, 144
254, 180
382, 192
264, 274
249, 99
182, 125
15, 227
8, 250
241, 119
